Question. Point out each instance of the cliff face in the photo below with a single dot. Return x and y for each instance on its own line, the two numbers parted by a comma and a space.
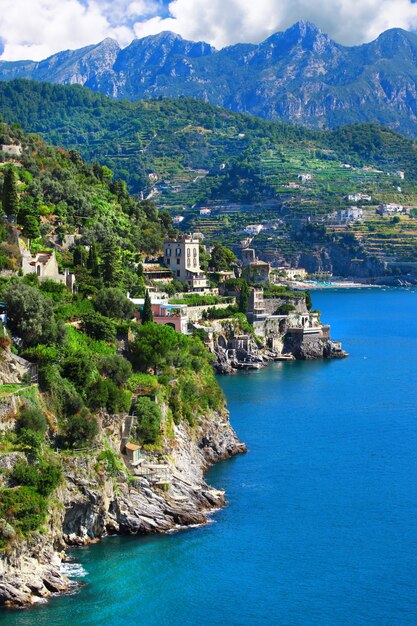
91, 503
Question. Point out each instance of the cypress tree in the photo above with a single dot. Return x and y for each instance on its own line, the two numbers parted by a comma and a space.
243, 303
10, 199
79, 256
92, 261
147, 315
112, 264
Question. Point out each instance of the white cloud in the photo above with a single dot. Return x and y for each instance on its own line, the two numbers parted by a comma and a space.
224, 22
34, 29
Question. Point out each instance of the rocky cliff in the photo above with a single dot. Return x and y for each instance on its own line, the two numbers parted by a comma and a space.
93, 502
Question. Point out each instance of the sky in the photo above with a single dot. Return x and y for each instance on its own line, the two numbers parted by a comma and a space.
35, 29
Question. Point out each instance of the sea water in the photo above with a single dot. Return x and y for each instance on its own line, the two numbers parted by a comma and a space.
321, 524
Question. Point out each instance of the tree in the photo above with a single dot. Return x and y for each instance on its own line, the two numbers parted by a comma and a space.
147, 315
149, 420
10, 200
30, 225
80, 430
30, 315
78, 369
222, 258
78, 256
98, 326
243, 303
113, 303
92, 261
116, 368
112, 263
155, 346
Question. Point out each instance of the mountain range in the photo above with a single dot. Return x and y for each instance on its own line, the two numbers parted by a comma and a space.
299, 76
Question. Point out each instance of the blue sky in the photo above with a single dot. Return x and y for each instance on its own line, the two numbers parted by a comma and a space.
53, 25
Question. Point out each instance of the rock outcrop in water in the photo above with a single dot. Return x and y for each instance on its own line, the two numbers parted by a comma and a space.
283, 330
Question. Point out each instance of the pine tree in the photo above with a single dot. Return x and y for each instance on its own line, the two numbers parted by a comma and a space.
147, 315
92, 261
10, 199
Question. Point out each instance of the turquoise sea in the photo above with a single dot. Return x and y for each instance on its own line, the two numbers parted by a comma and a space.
321, 526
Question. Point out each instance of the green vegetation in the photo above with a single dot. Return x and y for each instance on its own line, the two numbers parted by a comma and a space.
149, 419
247, 170
147, 315
90, 354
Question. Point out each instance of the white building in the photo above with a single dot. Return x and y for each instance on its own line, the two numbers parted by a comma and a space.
178, 219
205, 212
253, 229
12, 150
390, 209
182, 256
352, 214
357, 197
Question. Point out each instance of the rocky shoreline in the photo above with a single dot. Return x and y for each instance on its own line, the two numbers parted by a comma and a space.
91, 505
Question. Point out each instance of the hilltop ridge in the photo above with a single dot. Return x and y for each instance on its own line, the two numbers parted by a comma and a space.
300, 75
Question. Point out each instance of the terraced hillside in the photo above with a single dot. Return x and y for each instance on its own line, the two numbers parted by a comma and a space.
186, 154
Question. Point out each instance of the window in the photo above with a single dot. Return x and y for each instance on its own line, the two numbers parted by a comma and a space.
195, 251
168, 252
188, 252
168, 261
195, 262
178, 261
178, 273
178, 252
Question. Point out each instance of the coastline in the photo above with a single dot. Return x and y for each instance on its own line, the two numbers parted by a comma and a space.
91, 507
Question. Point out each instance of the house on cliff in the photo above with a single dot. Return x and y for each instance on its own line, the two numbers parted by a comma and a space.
45, 265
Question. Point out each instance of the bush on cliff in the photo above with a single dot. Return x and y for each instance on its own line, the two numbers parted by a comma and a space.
32, 418
80, 430
23, 508
149, 419
43, 476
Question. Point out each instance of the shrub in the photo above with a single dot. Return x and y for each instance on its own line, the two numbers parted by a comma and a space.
63, 393
284, 309
97, 394
43, 476
23, 508
118, 401
29, 440
30, 315
112, 302
116, 368
149, 420
78, 368
111, 463
32, 418
80, 430
98, 326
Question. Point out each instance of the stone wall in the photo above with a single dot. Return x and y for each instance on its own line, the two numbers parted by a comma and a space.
195, 313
